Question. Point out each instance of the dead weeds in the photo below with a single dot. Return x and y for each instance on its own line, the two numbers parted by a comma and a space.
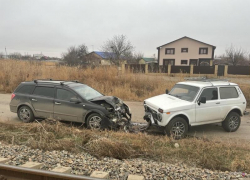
220, 155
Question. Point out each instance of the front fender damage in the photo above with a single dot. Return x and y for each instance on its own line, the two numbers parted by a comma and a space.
118, 116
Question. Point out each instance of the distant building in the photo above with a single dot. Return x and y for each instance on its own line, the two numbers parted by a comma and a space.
5, 56
38, 56
186, 51
98, 58
147, 60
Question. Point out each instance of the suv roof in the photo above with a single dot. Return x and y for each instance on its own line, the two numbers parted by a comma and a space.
208, 83
53, 82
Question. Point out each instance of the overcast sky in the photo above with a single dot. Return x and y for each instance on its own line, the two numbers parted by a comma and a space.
51, 26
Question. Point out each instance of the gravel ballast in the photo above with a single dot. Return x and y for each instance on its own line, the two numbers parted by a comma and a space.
85, 164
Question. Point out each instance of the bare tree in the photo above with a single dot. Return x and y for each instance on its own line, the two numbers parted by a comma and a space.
118, 48
236, 56
138, 55
75, 55
135, 57
82, 50
15, 55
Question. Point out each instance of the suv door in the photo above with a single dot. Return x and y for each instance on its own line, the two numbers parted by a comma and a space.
211, 110
42, 101
66, 110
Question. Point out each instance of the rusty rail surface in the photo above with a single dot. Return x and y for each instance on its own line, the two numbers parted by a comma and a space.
8, 172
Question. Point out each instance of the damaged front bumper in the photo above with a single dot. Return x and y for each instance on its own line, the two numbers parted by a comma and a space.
152, 123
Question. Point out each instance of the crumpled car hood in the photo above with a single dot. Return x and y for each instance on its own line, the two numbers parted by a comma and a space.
112, 100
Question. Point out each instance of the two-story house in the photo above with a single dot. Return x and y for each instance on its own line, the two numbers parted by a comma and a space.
186, 51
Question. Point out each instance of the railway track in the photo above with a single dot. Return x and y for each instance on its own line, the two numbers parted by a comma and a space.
8, 172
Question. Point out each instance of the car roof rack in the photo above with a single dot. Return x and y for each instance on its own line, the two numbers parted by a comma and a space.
204, 79
60, 81
36, 80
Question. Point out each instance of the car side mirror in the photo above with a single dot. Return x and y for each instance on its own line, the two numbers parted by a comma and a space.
166, 91
75, 100
202, 100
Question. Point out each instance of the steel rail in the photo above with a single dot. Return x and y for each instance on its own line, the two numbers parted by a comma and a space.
8, 172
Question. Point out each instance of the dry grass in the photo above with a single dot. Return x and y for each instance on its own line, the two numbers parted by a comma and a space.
207, 154
105, 79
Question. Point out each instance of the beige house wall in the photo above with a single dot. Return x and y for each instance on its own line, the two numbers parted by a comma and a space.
105, 62
142, 61
193, 51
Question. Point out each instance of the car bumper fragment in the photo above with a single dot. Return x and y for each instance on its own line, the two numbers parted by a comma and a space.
246, 113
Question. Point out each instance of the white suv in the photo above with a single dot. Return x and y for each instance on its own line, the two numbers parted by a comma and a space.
196, 102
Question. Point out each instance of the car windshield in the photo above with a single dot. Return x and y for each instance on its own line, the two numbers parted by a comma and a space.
87, 92
184, 92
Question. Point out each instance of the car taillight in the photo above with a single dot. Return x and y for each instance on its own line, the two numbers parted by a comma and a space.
12, 96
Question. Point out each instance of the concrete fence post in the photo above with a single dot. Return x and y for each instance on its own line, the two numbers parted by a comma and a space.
123, 68
191, 69
216, 70
128, 68
169, 69
146, 68
211, 62
225, 70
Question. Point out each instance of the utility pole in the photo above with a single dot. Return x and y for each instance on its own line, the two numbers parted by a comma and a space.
5, 53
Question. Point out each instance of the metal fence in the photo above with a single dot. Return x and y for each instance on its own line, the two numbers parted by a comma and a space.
136, 68
180, 69
239, 70
221, 70
203, 70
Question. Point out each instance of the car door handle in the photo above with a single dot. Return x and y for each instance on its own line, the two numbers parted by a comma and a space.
57, 103
218, 103
33, 99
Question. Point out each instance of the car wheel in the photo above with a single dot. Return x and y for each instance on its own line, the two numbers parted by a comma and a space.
25, 114
94, 121
177, 128
232, 122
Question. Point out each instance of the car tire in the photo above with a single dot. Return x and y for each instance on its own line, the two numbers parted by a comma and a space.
177, 128
94, 121
25, 114
232, 122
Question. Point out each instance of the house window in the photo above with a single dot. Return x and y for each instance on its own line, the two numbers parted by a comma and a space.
168, 62
169, 50
193, 62
203, 50
184, 50
184, 62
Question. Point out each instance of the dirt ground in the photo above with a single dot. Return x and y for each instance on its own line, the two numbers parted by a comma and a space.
212, 131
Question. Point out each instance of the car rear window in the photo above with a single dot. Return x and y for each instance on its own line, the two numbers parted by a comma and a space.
228, 93
26, 89
44, 91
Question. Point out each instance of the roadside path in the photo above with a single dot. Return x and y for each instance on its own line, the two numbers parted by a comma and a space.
212, 131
